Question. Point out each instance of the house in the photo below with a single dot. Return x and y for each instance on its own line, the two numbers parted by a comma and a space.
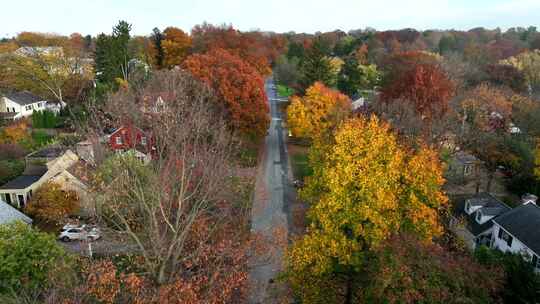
41, 166
131, 138
8, 214
463, 167
473, 218
20, 104
29, 51
77, 178
18, 191
156, 103
517, 231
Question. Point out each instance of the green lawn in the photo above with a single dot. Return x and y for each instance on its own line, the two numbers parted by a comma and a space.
284, 91
300, 166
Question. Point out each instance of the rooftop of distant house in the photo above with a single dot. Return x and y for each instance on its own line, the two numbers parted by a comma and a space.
21, 182
23, 98
48, 152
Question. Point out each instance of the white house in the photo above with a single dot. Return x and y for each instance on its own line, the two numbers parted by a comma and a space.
518, 231
21, 104
473, 218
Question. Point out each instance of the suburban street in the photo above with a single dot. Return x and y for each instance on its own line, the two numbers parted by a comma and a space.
269, 214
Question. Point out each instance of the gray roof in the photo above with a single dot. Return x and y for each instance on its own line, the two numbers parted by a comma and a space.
523, 222
9, 214
485, 200
48, 152
491, 207
464, 157
23, 98
21, 182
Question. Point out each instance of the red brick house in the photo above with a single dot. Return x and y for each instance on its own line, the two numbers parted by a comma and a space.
128, 138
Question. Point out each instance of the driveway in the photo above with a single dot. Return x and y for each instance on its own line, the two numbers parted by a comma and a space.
270, 220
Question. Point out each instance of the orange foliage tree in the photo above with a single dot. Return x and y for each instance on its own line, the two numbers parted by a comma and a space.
319, 110
50, 203
176, 45
239, 85
15, 132
253, 47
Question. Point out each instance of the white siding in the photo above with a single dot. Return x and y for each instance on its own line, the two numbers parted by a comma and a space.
9, 105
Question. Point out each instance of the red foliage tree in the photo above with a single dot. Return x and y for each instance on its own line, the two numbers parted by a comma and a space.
425, 86
239, 85
253, 47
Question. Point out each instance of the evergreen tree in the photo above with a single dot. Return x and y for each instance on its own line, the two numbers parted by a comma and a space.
111, 55
316, 67
157, 38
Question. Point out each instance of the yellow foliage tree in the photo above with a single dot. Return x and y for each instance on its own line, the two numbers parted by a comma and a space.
176, 46
51, 203
365, 187
319, 110
529, 64
14, 133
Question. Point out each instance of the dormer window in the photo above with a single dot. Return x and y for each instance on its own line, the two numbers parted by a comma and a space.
479, 217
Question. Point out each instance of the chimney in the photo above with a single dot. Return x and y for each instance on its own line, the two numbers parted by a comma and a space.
528, 198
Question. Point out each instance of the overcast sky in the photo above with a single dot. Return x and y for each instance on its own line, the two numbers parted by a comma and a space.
96, 16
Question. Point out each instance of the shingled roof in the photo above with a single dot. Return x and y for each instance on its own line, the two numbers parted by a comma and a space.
490, 206
23, 98
9, 214
523, 222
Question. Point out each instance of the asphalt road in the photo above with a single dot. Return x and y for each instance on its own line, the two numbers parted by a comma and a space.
270, 209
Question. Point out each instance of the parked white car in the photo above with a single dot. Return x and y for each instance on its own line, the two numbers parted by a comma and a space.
70, 233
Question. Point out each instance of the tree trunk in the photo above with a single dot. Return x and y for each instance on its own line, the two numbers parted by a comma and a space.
489, 181
349, 291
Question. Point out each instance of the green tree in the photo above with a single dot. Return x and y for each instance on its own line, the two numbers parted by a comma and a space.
522, 284
316, 66
29, 260
354, 77
157, 39
112, 56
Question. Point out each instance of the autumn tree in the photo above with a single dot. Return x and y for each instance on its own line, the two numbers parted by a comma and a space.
529, 64
406, 270
365, 187
425, 86
48, 73
253, 47
51, 203
319, 111
173, 210
238, 85
176, 46
506, 75
485, 116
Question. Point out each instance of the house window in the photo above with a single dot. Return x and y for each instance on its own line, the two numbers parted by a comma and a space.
143, 140
503, 235
535, 261
479, 217
467, 169
118, 140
